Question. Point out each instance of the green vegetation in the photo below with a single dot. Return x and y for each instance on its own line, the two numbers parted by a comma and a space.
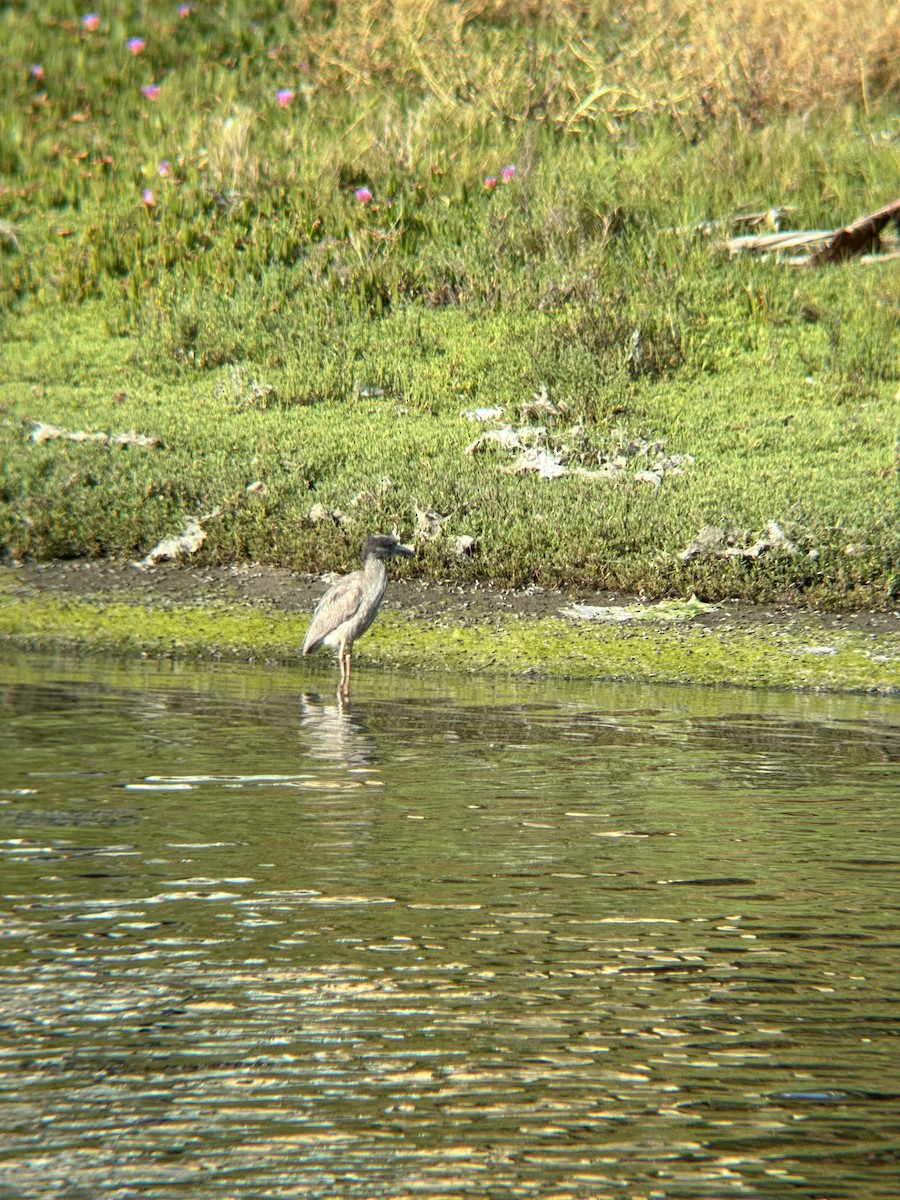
200, 265
777, 654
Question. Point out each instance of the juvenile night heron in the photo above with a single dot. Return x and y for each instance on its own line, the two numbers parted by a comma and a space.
350, 606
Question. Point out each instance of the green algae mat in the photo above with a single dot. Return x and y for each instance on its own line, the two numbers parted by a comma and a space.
257, 614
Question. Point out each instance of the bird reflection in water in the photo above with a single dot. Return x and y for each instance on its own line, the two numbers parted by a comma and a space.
335, 735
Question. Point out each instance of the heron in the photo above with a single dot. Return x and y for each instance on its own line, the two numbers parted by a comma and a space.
350, 606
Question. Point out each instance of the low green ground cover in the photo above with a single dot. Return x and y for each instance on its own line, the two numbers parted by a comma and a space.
774, 653
283, 243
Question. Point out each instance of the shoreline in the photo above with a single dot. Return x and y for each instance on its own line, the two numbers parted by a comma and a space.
255, 613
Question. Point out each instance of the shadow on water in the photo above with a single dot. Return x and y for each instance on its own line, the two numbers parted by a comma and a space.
455, 938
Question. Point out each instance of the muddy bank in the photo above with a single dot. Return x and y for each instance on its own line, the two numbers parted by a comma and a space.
254, 612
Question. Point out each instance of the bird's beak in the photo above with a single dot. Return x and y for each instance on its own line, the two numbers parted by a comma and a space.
408, 551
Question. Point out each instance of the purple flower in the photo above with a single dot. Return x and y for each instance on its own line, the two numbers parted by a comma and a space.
37, 72
508, 174
148, 198
185, 10
164, 168
91, 21
363, 195
150, 91
491, 182
284, 96
136, 45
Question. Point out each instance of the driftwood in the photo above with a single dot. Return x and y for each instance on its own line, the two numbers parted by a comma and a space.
42, 432
762, 243
861, 240
861, 236
181, 545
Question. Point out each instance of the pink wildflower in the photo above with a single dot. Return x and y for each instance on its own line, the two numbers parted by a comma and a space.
91, 21
37, 72
150, 91
491, 182
148, 198
136, 45
284, 96
185, 10
363, 195
508, 174
164, 168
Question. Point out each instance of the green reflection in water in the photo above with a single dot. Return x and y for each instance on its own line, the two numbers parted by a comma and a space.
452, 939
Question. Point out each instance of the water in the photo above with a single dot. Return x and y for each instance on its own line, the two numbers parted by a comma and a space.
460, 939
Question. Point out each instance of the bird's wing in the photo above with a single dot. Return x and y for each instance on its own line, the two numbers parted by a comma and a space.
339, 604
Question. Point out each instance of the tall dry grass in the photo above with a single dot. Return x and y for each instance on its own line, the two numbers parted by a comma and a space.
760, 59
571, 61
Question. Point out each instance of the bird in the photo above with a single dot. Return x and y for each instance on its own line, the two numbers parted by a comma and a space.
350, 606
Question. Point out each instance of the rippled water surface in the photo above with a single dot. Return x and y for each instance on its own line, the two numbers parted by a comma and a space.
460, 939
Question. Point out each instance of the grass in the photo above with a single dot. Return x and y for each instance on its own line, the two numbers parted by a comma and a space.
269, 326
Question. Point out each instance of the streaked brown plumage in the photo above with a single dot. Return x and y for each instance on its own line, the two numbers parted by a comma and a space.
350, 606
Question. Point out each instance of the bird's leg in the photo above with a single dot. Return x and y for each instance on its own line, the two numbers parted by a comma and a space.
345, 672
347, 685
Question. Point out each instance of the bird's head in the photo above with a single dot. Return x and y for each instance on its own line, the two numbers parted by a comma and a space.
385, 545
